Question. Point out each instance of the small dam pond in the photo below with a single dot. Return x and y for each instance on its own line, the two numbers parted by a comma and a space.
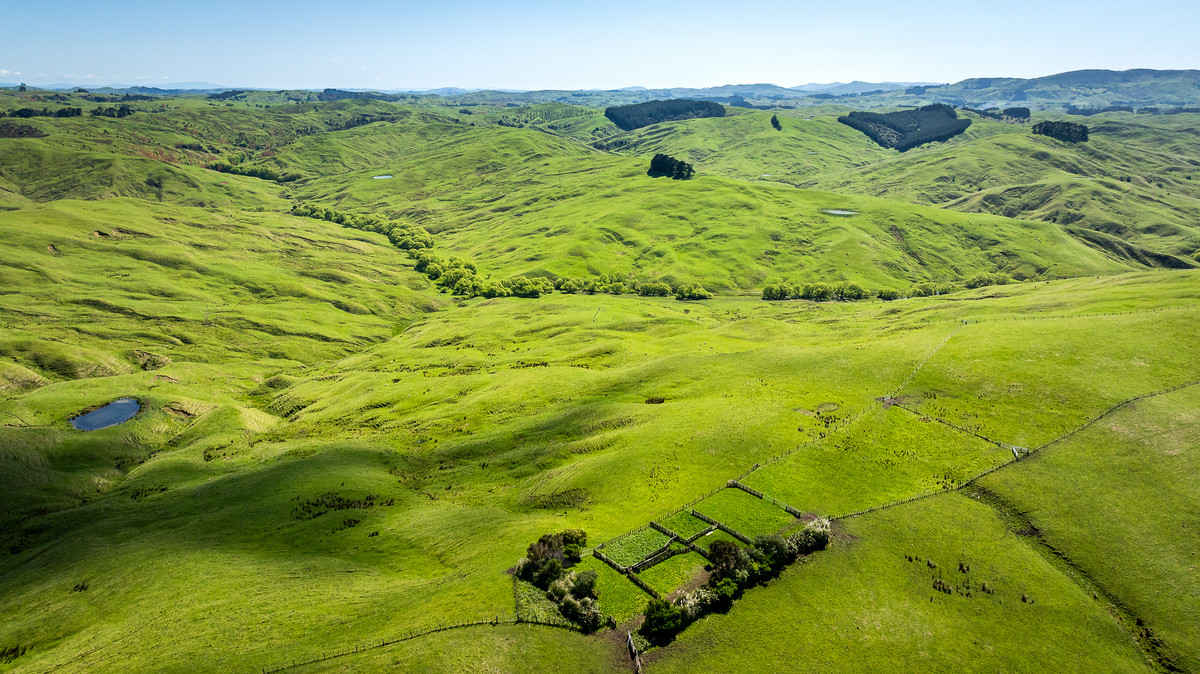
838, 211
382, 177
116, 412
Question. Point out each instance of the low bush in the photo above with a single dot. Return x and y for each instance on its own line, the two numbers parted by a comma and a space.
547, 565
692, 291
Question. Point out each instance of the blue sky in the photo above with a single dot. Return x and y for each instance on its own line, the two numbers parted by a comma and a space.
581, 44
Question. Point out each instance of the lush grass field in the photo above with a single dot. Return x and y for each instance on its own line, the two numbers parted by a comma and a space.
863, 606
333, 452
1119, 500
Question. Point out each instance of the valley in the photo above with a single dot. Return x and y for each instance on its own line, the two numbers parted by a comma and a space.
339, 457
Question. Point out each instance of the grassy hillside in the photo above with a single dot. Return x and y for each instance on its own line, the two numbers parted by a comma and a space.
521, 202
482, 447
333, 453
1135, 182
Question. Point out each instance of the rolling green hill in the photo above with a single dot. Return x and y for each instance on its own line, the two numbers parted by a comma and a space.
337, 457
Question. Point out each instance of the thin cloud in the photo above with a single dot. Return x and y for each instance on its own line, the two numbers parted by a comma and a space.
6, 73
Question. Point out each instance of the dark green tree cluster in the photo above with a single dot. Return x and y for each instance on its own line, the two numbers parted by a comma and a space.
122, 110
402, 234
20, 131
733, 569
906, 129
26, 113
666, 165
547, 565
630, 117
846, 291
260, 172
775, 123
1069, 132
1020, 114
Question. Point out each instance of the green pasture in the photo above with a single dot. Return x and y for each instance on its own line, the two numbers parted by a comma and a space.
332, 451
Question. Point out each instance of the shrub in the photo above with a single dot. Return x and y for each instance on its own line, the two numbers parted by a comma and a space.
778, 291
813, 537
663, 621
546, 558
521, 286
848, 291
888, 295
653, 289
724, 557
983, 280
817, 292
584, 584
692, 291
723, 591
775, 553
584, 612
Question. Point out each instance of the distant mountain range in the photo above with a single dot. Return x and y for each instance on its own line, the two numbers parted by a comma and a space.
1081, 88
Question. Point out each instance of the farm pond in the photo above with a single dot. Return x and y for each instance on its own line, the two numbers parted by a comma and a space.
116, 412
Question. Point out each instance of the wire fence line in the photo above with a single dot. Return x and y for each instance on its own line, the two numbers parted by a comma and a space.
1082, 427
847, 421
837, 426
767, 497
330, 655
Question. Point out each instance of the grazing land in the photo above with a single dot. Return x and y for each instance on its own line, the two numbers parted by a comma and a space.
341, 456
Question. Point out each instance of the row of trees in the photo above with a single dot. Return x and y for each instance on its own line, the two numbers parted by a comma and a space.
461, 277
261, 172
775, 123
1018, 114
846, 291
666, 165
122, 110
630, 117
982, 280
547, 565
26, 113
403, 235
1069, 132
1088, 112
906, 129
734, 568
620, 284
